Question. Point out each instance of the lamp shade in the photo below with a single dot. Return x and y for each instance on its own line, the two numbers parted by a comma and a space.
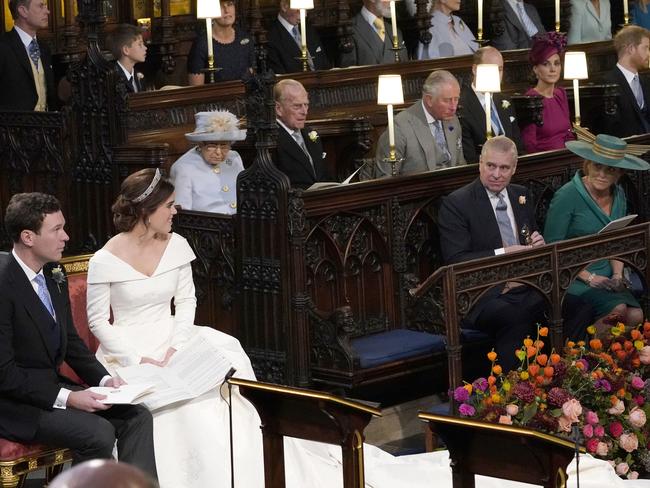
488, 78
389, 90
575, 65
208, 9
307, 4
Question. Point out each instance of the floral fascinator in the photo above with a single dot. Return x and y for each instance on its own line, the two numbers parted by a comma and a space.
546, 45
217, 126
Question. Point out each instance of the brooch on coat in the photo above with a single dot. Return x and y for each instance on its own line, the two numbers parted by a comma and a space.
505, 104
522, 199
244, 41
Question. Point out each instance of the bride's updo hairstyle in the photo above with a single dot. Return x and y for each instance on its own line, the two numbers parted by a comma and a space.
140, 195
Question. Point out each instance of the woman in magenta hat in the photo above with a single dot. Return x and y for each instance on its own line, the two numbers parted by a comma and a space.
546, 58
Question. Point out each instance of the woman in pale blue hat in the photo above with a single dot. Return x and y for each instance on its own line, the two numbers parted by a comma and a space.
591, 200
205, 177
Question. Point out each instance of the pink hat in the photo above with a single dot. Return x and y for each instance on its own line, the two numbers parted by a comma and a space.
546, 45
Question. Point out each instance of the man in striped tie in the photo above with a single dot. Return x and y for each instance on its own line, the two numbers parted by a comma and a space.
26, 76
489, 217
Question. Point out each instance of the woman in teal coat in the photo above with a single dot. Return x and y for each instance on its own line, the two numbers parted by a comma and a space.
583, 206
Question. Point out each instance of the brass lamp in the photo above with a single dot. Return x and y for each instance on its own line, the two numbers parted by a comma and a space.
575, 68
303, 6
488, 81
389, 93
208, 10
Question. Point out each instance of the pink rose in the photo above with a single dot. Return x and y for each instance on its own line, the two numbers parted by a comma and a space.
617, 409
572, 410
512, 409
602, 449
616, 429
628, 442
637, 417
599, 431
564, 424
622, 468
637, 382
505, 419
644, 355
633, 475
591, 417
592, 445
588, 430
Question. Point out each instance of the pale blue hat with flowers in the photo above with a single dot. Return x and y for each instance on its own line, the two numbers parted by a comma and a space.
216, 126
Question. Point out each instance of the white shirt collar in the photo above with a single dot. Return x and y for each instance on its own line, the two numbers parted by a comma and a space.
627, 73
286, 24
24, 36
369, 16
429, 117
281, 124
29, 272
126, 72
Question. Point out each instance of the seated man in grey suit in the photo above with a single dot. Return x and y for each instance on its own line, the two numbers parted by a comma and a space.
472, 104
520, 23
373, 37
428, 134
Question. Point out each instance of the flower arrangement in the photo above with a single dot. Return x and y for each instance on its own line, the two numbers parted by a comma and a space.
58, 276
600, 386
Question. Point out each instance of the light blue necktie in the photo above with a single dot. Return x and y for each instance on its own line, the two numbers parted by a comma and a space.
44, 293
34, 52
439, 136
638, 92
529, 25
505, 226
497, 128
296, 35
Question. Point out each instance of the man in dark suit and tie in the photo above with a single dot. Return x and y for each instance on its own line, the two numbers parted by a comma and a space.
486, 218
472, 117
632, 115
372, 37
300, 151
284, 38
37, 403
26, 76
520, 23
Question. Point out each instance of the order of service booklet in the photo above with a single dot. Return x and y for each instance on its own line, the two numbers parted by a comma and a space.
196, 368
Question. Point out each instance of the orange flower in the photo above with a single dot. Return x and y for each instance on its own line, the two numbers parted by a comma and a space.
539, 344
531, 351
621, 355
496, 369
533, 369
491, 380
636, 362
542, 359
548, 371
646, 326
571, 344
492, 356
595, 344
528, 342
628, 346
613, 400
616, 346
539, 379
580, 365
620, 393
636, 334
555, 358
543, 331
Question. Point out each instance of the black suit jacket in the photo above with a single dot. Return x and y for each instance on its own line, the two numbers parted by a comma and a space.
17, 85
29, 359
293, 162
472, 121
121, 77
628, 119
468, 228
283, 50
514, 34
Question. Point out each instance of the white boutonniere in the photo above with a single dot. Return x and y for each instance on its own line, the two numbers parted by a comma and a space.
512, 118
139, 75
522, 199
313, 136
244, 41
58, 276
505, 103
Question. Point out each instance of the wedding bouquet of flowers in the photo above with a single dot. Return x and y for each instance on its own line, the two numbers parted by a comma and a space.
602, 386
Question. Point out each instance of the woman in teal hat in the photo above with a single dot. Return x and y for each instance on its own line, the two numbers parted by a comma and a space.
583, 206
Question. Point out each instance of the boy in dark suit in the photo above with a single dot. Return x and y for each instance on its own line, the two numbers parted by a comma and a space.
128, 49
37, 403
26, 76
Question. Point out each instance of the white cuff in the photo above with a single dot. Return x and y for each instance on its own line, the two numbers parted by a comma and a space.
498, 252
62, 398
104, 380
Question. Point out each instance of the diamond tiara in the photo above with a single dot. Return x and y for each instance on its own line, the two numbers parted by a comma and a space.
150, 188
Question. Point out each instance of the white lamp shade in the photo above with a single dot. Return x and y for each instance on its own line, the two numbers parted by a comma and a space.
306, 4
208, 9
575, 65
389, 90
488, 78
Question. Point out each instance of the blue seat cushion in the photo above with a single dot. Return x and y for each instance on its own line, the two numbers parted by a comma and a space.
473, 335
385, 347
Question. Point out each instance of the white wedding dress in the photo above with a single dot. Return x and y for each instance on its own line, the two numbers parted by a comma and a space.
191, 438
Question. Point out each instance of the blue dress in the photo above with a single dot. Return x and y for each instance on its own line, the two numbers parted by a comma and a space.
235, 59
639, 16
573, 213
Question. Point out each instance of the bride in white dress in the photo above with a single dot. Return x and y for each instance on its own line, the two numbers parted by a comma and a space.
136, 275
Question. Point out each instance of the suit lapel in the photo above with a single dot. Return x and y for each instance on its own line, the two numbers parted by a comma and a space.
452, 131
423, 134
629, 94
41, 318
520, 212
371, 38
512, 16
21, 54
296, 152
58, 302
485, 213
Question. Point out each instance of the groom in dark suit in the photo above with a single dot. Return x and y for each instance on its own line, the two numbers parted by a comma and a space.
37, 403
26, 76
300, 151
